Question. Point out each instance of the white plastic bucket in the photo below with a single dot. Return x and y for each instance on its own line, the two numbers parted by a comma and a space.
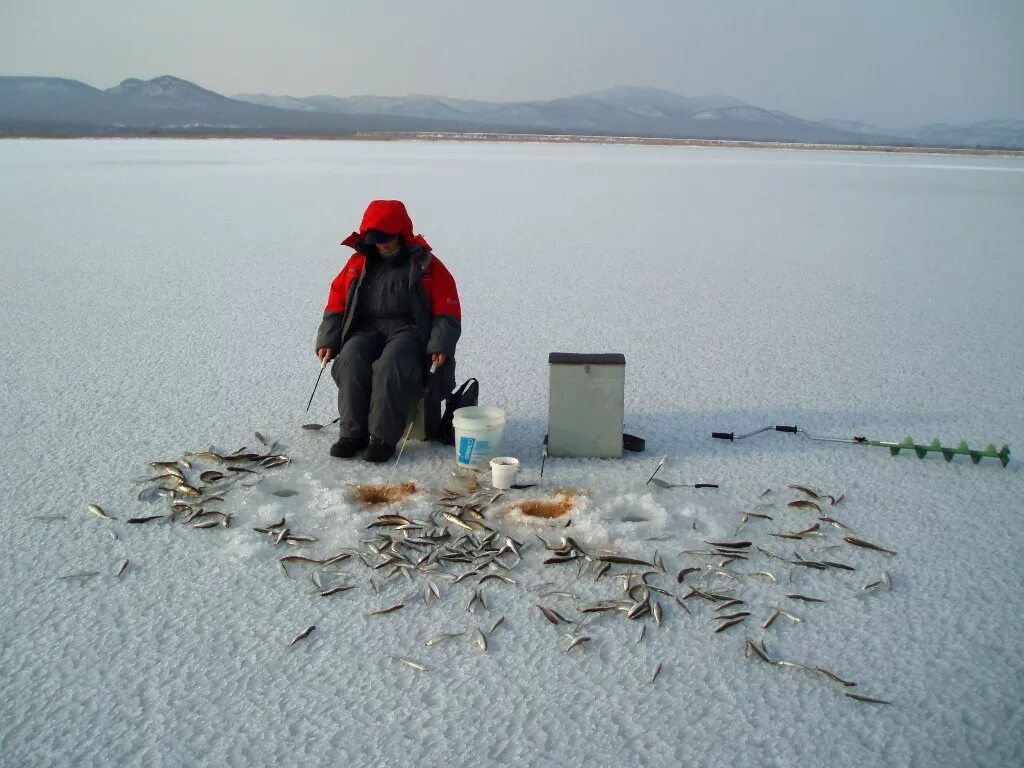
503, 472
478, 433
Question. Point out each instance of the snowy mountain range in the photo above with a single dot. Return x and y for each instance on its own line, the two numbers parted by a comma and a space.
169, 105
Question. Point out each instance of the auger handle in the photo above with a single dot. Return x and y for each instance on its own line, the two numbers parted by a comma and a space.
783, 428
722, 435
705, 485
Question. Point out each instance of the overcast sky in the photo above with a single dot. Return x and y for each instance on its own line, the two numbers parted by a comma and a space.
896, 63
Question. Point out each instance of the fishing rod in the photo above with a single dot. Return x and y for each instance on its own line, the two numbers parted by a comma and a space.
990, 452
664, 484
405, 437
323, 364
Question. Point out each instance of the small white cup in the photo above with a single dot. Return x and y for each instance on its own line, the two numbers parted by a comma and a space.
503, 471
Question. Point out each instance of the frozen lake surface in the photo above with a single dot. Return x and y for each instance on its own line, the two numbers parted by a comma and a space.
162, 296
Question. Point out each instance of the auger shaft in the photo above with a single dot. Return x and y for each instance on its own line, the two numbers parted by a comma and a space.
990, 452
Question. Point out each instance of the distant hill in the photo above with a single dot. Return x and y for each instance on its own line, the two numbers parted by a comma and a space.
166, 105
639, 111
624, 110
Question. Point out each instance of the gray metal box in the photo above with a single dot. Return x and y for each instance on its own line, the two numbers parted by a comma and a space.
586, 404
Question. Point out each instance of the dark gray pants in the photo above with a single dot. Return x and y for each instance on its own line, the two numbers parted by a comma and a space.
378, 376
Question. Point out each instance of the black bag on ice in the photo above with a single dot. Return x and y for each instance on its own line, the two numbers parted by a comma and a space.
466, 395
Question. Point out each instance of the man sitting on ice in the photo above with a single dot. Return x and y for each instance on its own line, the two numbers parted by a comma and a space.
392, 312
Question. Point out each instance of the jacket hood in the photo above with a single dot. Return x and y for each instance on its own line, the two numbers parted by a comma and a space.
387, 216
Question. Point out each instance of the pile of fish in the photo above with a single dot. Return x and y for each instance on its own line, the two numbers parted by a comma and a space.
195, 485
752, 580
458, 543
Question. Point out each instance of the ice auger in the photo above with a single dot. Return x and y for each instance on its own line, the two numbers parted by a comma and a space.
1003, 454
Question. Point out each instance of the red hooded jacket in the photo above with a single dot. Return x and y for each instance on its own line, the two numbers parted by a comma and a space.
439, 286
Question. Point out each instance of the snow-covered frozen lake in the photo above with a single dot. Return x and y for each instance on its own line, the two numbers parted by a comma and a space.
162, 296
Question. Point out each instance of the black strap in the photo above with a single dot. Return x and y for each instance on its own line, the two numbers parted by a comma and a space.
633, 443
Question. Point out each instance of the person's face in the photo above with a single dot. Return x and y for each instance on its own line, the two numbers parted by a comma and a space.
386, 249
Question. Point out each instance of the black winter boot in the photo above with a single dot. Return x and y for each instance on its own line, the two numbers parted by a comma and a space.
378, 451
347, 447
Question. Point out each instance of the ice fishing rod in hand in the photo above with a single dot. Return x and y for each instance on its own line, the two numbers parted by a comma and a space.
323, 364
1003, 454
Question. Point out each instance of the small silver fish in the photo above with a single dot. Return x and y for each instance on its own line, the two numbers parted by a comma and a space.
580, 640
803, 504
840, 566
498, 623
480, 640
729, 604
868, 699
807, 599
335, 590
622, 560
551, 615
657, 671
867, 545
833, 522
685, 572
729, 544
98, 511
122, 569
805, 490
465, 576
640, 635
758, 650
770, 620
146, 519
300, 559
638, 610
302, 635
498, 576
476, 598
80, 575
790, 664
435, 639
732, 623
834, 676
410, 663
390, 609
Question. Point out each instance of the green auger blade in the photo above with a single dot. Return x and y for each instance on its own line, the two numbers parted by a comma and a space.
922, 450
963, 449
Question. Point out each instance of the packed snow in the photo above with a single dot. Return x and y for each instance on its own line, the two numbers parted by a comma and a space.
162, 297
